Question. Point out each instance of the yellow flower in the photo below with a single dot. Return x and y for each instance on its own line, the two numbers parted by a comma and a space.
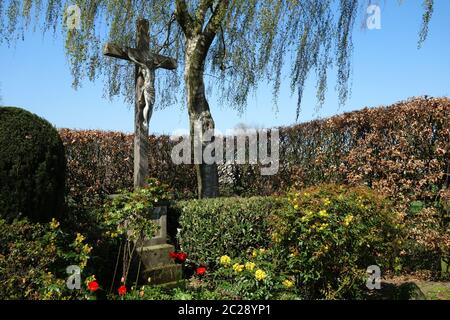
260, 275
54, 224
296, 206
294, 252
80, 238
254, 253
250, 266
323, 214
326, 201
113, 235
238, 267
262, 250
225, 260
288, 283
276, 237
347, 220
87, 249
322, 227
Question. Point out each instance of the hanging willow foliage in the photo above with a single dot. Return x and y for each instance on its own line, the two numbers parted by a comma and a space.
255, 40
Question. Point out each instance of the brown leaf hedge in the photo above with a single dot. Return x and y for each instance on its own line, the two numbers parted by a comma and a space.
401, 150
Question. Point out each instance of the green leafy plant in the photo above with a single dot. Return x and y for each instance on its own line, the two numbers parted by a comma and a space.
211, 227
130, 213
129, 216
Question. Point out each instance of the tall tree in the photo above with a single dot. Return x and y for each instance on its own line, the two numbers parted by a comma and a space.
235, 44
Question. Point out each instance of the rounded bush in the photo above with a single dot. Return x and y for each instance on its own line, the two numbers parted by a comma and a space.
32, 166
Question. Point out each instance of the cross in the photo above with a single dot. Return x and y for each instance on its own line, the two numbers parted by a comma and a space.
146, 64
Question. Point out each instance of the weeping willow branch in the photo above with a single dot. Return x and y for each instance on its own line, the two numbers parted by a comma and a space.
426, 18
262, 36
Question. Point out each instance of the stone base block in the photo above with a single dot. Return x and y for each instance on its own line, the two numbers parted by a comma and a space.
158, 266
156, 256
163, 274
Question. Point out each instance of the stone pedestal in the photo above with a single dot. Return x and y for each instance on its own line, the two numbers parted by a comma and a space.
154, 254
159, 267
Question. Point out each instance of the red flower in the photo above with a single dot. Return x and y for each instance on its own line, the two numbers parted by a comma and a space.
93, 286
179, 257
173, 255
122, 290
200, 271
182, 257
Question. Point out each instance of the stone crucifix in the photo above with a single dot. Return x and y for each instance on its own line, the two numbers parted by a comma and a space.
146, 65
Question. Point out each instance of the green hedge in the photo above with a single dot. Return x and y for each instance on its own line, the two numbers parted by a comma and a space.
211, 228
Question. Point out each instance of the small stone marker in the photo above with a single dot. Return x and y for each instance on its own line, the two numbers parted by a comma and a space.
160, 218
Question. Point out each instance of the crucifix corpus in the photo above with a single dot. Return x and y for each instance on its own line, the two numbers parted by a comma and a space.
146, 65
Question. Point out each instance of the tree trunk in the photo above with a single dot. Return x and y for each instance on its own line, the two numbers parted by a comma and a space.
199, 113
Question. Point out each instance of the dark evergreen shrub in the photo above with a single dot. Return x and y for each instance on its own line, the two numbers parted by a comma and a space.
32, 166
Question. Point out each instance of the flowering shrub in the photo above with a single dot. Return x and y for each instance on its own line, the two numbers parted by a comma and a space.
331, 235
251, 277
34, 257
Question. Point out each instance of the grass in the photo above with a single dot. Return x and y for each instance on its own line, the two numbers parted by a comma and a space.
435, 290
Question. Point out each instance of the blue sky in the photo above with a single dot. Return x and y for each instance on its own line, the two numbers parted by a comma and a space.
387, 67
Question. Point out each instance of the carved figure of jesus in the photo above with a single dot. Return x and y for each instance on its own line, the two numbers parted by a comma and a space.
147, 89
